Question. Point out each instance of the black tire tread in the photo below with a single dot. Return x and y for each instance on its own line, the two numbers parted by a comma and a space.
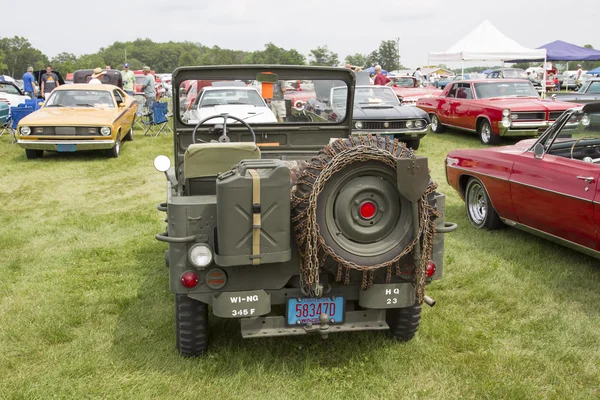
404, 322
191, 317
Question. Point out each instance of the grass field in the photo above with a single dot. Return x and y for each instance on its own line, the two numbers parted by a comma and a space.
85, 309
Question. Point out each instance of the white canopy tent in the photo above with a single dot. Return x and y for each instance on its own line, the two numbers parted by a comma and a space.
487, 43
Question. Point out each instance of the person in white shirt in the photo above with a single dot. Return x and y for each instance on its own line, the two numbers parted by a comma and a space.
98, 72
578, 76
418, 76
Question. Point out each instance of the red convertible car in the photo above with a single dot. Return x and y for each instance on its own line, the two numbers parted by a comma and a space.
492, 108
408, 90
548, 187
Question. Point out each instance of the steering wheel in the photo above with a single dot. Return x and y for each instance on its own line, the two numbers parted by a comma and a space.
577, 141
223, 138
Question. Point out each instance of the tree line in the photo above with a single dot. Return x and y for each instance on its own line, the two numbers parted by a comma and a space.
17, 53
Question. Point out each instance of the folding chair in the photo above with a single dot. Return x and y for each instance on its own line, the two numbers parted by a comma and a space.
158, 120
16, 115
142, 111
4, 118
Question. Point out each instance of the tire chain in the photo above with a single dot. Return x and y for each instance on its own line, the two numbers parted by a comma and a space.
307, 232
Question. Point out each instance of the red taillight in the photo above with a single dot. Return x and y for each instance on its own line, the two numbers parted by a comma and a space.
430, 268
367, 210
189, 279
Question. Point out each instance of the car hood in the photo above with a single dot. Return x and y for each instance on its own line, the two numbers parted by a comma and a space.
416, 92
249, 113
529, 104
71, 116
14, 99
517, 148
396, 112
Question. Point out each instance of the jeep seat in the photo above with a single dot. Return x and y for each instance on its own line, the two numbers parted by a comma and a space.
210, 159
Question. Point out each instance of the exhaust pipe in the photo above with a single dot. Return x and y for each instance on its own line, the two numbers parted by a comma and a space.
429, 301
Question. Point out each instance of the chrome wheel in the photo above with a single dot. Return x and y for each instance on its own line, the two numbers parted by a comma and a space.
486, 132
436, 125
477, 204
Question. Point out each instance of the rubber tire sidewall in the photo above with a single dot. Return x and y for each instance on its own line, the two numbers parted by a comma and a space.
492, 219
340, 251
115, 152
33, 154
440, 127
129, 136
494, 139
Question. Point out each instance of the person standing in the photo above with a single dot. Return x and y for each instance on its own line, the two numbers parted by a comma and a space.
49, 82
418, 76
149, 88
29, 83
578, 76
380, 79
278, 101
128, 80
96, 76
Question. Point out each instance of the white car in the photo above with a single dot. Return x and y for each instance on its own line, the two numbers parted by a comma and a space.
243, 102
11, 94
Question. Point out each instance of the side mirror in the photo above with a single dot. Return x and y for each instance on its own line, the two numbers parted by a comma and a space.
122, 104
41, 103
538, 150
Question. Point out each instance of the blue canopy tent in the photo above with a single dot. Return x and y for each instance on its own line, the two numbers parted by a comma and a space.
371, 70
595, 71
563, 51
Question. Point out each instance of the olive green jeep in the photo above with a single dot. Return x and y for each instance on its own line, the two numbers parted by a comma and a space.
293, 227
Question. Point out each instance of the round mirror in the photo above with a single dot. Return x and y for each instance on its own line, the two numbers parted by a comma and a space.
162, 163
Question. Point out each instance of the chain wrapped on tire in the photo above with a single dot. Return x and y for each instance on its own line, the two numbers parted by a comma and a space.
313, 249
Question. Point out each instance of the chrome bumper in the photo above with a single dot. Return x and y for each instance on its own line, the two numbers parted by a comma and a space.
404, 133
532, 128
52, 145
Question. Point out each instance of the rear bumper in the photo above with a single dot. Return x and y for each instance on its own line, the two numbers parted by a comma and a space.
52, 145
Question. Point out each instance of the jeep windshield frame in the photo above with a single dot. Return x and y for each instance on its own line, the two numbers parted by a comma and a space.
284, 140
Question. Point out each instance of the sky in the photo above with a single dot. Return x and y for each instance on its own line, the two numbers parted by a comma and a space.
346, 27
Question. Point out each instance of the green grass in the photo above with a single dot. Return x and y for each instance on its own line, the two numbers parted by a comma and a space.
85, 309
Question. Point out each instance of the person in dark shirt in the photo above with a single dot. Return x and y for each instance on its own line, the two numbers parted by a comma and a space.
49, 82
380, 79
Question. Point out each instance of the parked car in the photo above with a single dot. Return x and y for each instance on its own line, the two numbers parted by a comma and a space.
518, 73
298, 93
548, 187
408, 90
377, 110
79, 117
239, 101
11, 94
589, 92
493, 109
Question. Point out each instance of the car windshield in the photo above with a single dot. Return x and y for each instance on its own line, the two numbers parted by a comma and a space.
257, 102
488, 90
515, 73
8, 89
374, 95
590, 88
403, 82
81, 98
578, 137
231, 96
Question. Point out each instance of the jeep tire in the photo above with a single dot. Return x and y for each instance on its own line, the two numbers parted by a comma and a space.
191, 328
404, 322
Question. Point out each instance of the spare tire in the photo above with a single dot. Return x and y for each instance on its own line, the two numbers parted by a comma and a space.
360, 214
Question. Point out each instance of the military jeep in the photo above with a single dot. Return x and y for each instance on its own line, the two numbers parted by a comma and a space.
294, 227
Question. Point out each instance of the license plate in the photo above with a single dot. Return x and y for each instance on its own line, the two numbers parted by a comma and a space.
301, 311
66, 148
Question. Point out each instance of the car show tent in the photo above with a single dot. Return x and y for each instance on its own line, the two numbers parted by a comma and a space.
487, 43
563, 51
